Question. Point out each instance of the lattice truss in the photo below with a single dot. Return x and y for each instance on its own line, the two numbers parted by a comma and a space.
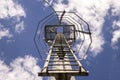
73, 24
59, 37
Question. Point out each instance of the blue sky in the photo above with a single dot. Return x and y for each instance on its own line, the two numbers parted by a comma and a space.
18, 22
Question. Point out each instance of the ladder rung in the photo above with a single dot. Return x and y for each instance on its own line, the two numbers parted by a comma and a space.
70, 59
60, 51
62, 64
68, 51
63, 70
60, 45
63, 45
63, 57
69, 54
62, 61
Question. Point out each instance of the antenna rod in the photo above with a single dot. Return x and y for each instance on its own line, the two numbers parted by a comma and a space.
62, 16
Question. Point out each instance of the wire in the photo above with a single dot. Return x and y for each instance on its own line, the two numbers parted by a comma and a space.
41, 28
60, 20
62, 16
89, 34
51, 7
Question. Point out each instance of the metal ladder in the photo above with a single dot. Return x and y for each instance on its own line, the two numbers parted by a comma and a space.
62, 60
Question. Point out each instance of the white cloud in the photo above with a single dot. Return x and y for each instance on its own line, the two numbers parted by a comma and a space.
47, 2
115, 5
116, 24
20, 69
11, 9
116, 36
8, 9
115, 9
19, 27
10, 41
93, 11
4, 32
116, 33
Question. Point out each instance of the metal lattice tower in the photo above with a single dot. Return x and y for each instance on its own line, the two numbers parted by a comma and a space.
61, 61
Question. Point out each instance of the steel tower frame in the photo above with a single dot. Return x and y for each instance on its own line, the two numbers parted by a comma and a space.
61, 61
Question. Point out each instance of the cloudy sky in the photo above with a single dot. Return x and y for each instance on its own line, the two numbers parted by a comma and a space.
19, 59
